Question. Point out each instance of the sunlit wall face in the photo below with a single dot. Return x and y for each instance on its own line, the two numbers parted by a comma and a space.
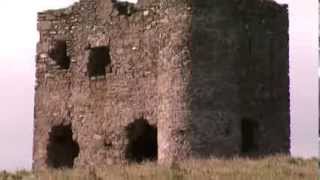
19, 36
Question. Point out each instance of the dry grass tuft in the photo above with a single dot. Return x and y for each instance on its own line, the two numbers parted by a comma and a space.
271, 168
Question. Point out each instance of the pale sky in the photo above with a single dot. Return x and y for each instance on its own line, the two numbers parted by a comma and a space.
19, 36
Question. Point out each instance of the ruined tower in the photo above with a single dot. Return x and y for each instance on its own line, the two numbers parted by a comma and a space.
161, 80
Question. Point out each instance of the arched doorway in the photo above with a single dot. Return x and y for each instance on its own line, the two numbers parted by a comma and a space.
61, 149
142, 141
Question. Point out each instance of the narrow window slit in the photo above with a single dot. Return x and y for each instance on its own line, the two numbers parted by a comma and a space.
250, 46
249, 131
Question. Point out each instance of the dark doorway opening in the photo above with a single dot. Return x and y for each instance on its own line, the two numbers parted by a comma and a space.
61, 149
143, 143
249, 130
59, 54
99, 61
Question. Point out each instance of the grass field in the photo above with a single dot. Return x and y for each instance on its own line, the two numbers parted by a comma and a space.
271, 168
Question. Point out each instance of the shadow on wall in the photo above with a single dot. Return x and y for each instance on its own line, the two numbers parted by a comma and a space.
239, 69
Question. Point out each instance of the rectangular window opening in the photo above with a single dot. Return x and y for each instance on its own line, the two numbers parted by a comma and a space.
99, 62
59, 54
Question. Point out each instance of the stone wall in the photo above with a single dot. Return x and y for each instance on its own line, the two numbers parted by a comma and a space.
239, 71
191, 69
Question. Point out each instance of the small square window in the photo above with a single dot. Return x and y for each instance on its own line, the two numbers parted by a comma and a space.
59, 54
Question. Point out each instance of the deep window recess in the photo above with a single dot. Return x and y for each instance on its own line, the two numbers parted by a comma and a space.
124, 7
61, 149
142, 139
99, 61
249, 130
59, 54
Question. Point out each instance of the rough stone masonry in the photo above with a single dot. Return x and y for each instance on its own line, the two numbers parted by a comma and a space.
161, 80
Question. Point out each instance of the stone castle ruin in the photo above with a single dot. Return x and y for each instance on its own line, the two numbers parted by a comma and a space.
161, 80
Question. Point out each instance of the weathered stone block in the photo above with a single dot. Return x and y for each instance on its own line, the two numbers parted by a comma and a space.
44, 25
